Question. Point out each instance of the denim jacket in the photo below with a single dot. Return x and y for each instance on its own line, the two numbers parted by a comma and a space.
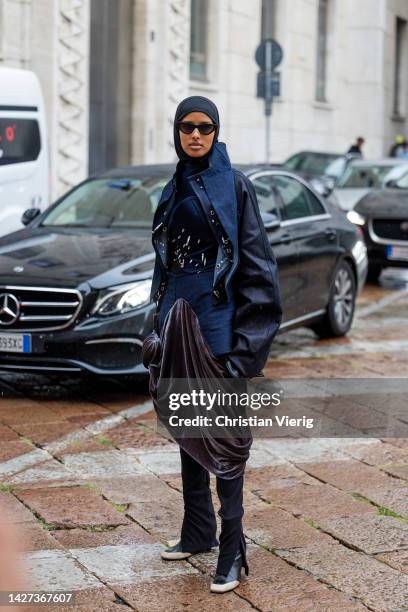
246, 268
215, 190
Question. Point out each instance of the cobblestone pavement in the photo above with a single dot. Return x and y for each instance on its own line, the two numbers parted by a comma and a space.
95, 491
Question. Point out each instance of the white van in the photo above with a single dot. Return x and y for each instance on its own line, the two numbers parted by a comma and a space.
24, 171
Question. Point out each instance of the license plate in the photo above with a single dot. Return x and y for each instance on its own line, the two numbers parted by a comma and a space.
397, 252
15, 343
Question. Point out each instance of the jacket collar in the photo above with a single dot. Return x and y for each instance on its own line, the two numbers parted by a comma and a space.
218, 162
218, 180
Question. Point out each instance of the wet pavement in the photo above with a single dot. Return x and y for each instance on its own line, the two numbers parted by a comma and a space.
95, 491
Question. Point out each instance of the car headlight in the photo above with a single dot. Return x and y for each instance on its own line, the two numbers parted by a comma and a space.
122, 298
356, 218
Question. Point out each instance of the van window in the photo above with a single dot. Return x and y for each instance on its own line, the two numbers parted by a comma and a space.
19, 140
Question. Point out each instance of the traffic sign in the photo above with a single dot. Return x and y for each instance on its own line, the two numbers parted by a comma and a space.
268, 84
269, 54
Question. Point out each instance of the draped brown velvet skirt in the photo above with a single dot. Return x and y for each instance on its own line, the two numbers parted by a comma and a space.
181, 352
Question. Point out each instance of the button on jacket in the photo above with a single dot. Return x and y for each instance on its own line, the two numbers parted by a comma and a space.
245, 269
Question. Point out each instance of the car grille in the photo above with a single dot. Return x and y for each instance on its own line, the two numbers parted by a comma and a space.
40, 308
390, 229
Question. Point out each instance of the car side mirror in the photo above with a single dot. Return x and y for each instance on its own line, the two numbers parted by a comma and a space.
270, 221
323, 187
328, 190
330, 184
29, 214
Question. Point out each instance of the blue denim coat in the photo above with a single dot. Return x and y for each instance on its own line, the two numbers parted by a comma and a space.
246, 269
215, 189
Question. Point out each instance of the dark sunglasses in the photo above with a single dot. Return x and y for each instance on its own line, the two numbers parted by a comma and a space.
188, 128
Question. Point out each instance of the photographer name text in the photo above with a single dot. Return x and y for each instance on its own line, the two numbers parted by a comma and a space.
223, 420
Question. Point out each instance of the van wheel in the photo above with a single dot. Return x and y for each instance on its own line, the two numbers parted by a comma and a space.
340, 310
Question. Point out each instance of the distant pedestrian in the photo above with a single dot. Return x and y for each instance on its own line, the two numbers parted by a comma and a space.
404, 151
397, 149
356, 148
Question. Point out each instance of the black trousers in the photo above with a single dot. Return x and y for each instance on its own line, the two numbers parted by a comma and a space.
199, 529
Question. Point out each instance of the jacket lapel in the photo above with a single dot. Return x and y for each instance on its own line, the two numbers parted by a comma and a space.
166, 195
218, 180
219, 184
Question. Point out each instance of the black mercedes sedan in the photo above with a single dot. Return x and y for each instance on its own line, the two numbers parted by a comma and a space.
383, 217
75, 281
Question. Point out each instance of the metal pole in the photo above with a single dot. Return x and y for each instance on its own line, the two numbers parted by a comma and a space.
268, 103
268, 18
268, 138
268, 27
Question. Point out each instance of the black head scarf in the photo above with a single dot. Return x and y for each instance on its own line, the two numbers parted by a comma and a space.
191, 105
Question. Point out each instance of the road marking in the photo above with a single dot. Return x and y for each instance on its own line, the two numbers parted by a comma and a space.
385, 301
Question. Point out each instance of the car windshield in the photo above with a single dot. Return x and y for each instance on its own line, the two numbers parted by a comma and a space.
335, 168
109, 202
402, 183
364, 176
315, 163
397, 177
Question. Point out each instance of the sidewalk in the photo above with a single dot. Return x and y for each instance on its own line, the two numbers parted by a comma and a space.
96, 492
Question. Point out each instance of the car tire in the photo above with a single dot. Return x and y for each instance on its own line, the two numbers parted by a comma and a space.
340, 310
373, 273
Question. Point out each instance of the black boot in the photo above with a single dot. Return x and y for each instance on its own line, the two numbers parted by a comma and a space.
243, 551
175, 552
223, 583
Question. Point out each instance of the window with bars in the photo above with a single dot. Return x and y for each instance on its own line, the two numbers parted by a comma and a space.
399, 67
321, 64
198, 40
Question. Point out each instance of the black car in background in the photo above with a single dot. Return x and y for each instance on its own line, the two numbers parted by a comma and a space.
75, 282
383, 216
321, 169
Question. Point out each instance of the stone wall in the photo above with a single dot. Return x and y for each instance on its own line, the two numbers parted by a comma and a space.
51, 37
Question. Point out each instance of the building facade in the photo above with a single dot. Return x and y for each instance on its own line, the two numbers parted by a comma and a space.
113, 72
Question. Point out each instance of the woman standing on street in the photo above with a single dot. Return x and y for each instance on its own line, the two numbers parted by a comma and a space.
215, 284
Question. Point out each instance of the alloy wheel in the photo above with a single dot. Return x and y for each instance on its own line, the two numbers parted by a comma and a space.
343, 297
